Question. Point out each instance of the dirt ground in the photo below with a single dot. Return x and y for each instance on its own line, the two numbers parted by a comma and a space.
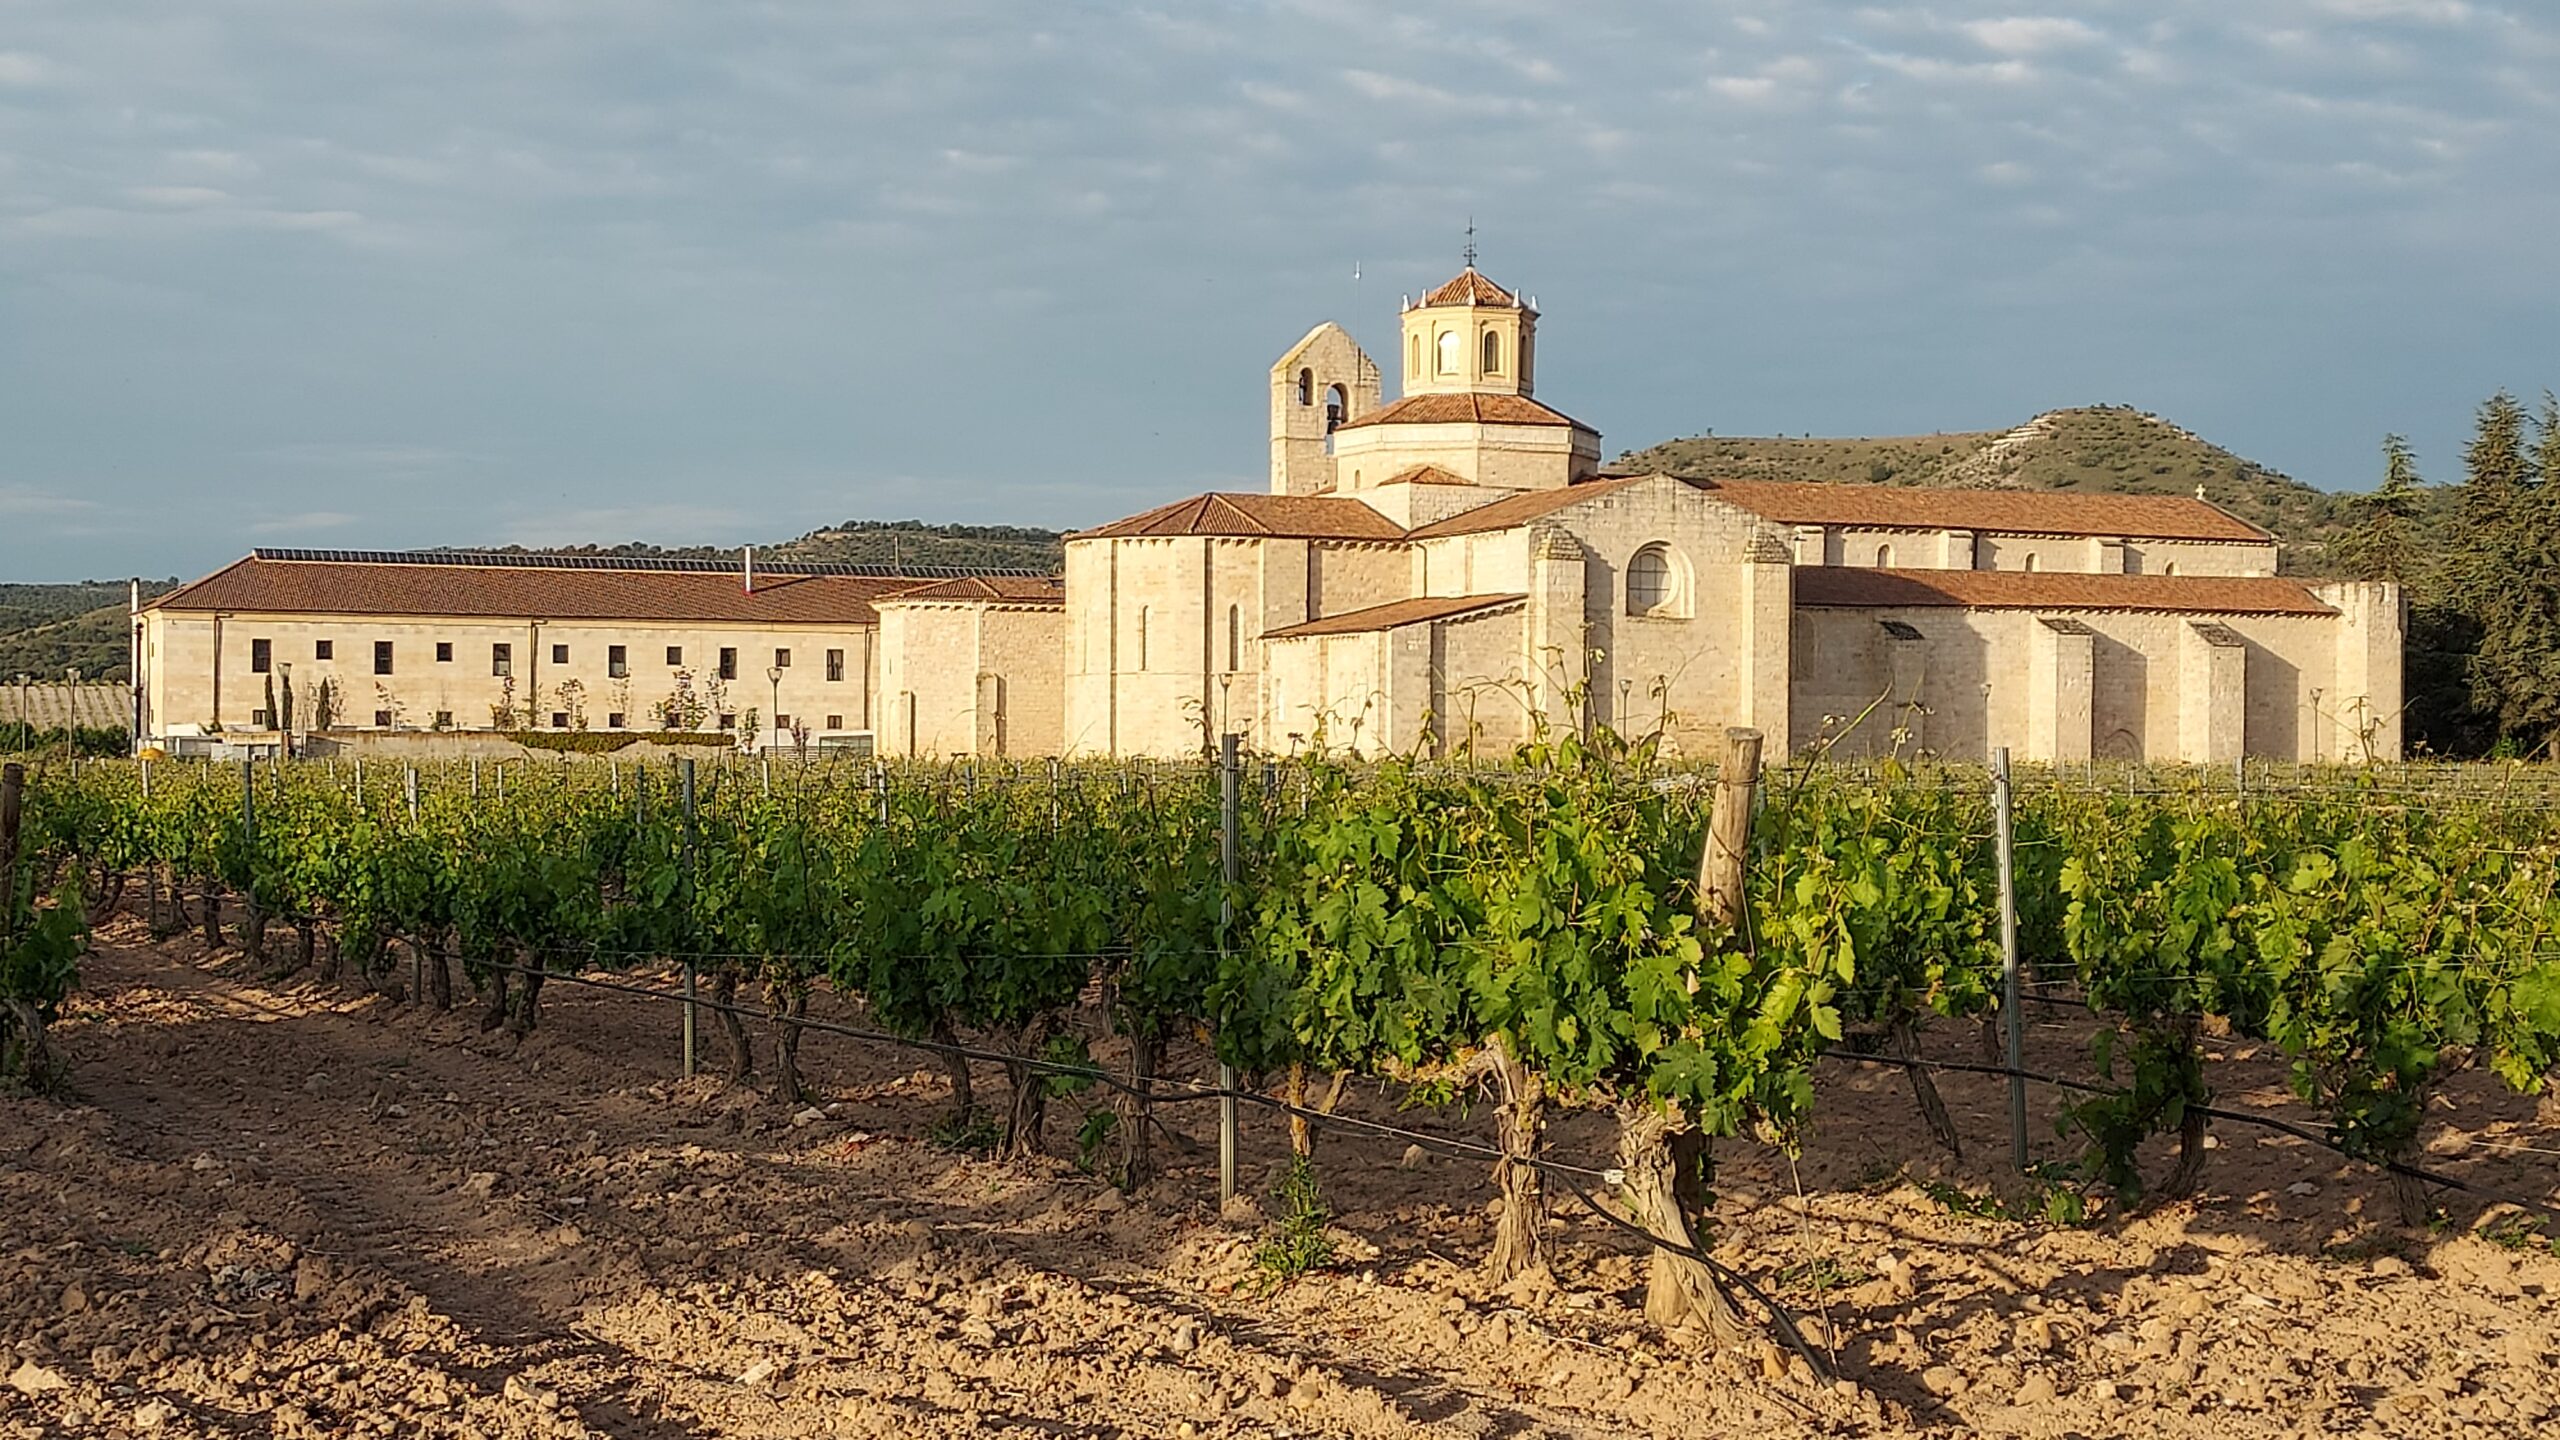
277, 1209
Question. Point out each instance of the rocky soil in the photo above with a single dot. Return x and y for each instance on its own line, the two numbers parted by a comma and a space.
273, 1209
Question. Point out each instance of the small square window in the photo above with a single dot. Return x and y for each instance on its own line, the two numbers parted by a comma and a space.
835, 665
728, 719
444, 652
781, 659
323, 650
835, 722
502, 659
382, 719
382, 660
262, 656
444, 719
613, 721
675, 654
728, 662
261, 719
617, 661
559, 654
559, 719
781, 721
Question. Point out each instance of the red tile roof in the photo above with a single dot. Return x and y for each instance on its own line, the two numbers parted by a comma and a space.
2014, 512
1471, 288
1269, 517
535, 588
1426, 475
1464, 409
1394, 614
1009, 589
1522, 508
1841, 586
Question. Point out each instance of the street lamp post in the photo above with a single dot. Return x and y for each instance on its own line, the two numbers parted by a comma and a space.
773, 717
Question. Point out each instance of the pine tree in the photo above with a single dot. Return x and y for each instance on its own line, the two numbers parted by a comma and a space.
2506, 571
2383, 543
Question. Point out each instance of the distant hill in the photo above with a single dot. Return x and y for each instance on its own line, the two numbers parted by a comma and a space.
47, 629
859, 542
2103, 448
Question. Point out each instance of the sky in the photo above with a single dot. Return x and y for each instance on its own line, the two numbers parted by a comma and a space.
348, 274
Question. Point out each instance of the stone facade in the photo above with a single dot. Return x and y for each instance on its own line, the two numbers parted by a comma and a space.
1451, 569
1527, 587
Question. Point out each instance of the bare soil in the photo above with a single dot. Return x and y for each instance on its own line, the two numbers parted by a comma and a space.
273, 1208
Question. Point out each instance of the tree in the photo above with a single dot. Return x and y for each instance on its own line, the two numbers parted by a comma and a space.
2383, 543
2506, 574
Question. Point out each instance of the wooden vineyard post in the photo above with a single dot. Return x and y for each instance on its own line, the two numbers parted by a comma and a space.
684, 772
2011, 1020
1720, 865
1662, 1154
1228, 861
13, 788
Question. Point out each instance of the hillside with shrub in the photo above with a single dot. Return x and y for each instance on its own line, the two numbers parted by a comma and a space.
2103, 448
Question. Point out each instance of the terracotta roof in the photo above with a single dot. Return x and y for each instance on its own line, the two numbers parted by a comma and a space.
1426, 475
1522, 508
486, 587
1011, 589
1471, 288
2014, 512
1843, 586
1464, 409
1394, 614
1275, 517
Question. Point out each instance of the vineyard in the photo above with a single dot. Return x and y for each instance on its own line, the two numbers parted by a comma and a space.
1516, 953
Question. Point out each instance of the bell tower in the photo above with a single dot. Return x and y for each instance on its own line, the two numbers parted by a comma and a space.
1322, 383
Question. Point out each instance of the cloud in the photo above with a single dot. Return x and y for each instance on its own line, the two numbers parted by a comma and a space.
27, 500
479, 271
307, 523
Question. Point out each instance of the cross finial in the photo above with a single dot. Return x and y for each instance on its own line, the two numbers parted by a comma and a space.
1469, 253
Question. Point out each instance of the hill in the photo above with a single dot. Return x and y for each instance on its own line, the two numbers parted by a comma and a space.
47, 629
2103, 448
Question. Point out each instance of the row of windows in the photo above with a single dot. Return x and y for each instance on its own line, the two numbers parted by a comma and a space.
383, 719
1448, 348
502, 658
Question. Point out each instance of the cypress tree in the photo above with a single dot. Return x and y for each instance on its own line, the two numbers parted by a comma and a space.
2383, 541
2506, 573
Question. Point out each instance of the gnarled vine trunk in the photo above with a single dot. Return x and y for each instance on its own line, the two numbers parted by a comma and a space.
733, 1031
1027, 1109
1136, 1118
1520, 1236
964, 1095
1924, 1088
212, 895
1302, 1134
1677, 1287
439, 973
794, 998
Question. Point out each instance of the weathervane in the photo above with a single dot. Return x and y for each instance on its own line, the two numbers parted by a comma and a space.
1469, 253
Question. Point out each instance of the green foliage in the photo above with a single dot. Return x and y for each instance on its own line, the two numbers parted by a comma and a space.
1299, 1244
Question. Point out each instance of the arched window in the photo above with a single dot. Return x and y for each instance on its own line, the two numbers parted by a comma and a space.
1142, 637
2030, 566
1235, 638
1493, 352
1448, 352
1884, 557
2169, 569
1653, 582
1337, 408
1413, 355
1306, 387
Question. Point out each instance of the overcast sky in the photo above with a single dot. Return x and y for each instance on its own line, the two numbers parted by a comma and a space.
313, 272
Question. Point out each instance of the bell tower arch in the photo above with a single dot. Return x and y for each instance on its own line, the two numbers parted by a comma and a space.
1321, 383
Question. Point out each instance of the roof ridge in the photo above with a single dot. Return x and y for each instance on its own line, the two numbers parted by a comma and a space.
663, 564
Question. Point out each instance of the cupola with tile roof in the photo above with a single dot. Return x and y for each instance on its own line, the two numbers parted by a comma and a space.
1470, 336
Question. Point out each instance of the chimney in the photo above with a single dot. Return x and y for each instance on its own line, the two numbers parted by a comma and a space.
751, 569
